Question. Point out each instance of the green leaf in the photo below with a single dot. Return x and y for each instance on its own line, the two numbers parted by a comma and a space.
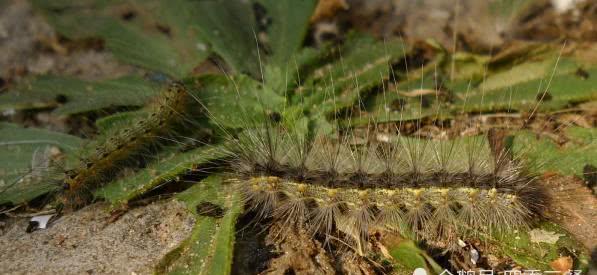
166, 167
73, 21
118, 120
229, 26
78, 95
286, 32
237, 101
481, 85
131, 45
209, 249
466, 66
284, 79
410, 257
289, 22
509, 9
528, 71
543, 155
157, 35
26, 163
364, 64
398, 105
532, 254
560, 91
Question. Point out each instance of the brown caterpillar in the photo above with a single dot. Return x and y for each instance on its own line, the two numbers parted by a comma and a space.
167, 121
427, 187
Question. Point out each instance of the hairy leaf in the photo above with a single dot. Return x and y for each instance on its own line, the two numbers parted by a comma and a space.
157, 35
543, 155
537, 255
410, 257
118, 120
289, 22
539, 85
235, 102
209, 248
363, 64
28, 159
165, 168
70, 96
229, 26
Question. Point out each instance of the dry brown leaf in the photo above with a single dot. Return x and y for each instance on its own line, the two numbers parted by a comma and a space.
562, 264
418, 92
574, 207
575, 119
327, 9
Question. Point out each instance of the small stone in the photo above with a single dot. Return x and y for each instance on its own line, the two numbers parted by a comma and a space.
474, 256
461, 243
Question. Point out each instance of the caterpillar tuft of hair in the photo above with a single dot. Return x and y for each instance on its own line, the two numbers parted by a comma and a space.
439, 191
167, 120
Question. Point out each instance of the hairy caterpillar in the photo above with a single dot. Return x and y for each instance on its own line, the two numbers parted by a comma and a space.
166, 122
334, 187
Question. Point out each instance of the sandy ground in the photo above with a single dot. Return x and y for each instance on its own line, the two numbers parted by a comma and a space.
30, 46
87, 242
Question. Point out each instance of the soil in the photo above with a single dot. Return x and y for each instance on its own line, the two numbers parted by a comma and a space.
89, 242
467, 25
30, 46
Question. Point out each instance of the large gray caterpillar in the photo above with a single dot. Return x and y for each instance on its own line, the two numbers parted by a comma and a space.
440, 191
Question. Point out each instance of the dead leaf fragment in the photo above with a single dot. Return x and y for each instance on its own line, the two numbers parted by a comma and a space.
417, 92
543, 236
575, 119
562, 264
327, 8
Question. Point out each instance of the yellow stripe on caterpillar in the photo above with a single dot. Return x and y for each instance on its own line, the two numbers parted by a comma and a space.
375, 196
